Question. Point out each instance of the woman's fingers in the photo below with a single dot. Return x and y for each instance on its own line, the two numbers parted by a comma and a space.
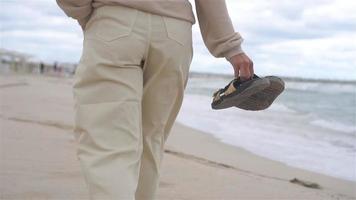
252, 71
243, 66
237, 71
245, 71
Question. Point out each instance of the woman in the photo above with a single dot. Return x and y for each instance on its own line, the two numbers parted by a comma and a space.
130, 81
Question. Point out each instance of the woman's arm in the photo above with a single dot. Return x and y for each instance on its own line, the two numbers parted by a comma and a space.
217, 29
220, 37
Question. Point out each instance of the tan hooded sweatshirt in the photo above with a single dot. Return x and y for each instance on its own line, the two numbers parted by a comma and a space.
214, 21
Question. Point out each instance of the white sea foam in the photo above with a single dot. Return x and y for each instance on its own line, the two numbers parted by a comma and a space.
321, 87
335, 126
280, 108
278, 133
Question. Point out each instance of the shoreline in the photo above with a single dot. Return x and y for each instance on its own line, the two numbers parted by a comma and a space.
194, 161
185, 139
246, 151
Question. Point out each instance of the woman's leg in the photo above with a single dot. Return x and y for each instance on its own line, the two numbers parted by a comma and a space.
165, 77
108, 92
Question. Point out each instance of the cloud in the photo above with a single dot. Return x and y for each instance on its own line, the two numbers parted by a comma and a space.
314, 39
40, 28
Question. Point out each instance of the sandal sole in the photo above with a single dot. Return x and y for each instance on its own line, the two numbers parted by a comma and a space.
232, 100
266, 97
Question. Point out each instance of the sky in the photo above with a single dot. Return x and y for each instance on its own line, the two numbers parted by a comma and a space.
304, 38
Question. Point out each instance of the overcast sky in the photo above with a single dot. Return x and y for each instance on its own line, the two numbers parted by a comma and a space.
304, 38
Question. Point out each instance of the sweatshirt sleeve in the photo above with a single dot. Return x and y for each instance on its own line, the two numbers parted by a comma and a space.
77, 9
217, 29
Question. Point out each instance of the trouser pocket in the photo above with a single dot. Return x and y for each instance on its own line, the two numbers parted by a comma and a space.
178, 30
111, 23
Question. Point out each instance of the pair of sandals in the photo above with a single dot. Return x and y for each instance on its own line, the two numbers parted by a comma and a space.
253, 94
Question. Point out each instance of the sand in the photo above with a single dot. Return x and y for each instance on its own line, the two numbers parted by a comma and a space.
38, 155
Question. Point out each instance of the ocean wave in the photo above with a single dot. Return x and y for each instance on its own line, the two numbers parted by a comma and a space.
322, 87
336, 126
278, 107
278, 133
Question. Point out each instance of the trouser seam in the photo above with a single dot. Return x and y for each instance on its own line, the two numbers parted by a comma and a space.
148, 42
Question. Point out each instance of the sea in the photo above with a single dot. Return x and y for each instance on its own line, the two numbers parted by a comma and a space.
311, 125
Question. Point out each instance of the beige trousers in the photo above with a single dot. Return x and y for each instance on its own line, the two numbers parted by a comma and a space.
128, 90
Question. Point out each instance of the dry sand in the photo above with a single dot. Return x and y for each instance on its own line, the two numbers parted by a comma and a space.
38, 155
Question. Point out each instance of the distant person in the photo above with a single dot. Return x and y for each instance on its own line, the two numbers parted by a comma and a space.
42, 66
73, 69
130, 81
55, 67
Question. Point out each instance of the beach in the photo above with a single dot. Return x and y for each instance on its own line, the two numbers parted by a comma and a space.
38, 155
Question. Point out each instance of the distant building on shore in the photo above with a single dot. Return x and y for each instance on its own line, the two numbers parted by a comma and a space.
12, 61
17, 62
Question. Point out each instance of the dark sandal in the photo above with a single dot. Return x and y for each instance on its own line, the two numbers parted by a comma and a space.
264, 99
237, 91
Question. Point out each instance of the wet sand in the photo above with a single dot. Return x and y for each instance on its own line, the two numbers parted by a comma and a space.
38, 155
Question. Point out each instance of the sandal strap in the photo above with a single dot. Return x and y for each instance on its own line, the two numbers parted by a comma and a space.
232, 86
229, 88
216, 96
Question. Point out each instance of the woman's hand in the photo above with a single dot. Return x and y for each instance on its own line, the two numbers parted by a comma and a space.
243, 66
